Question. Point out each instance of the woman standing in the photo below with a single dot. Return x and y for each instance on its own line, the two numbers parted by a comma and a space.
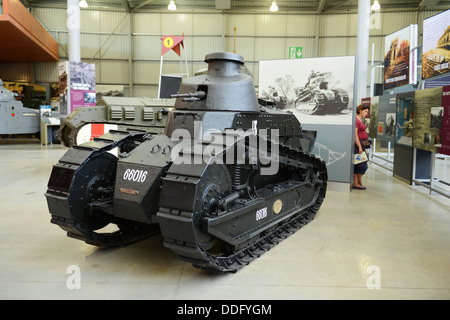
360, 137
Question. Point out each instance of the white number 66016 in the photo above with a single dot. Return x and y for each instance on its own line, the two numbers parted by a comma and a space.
135, 175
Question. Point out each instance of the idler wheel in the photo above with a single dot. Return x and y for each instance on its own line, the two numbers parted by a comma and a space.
94, 181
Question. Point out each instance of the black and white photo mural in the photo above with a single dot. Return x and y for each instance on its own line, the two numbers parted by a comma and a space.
320, 92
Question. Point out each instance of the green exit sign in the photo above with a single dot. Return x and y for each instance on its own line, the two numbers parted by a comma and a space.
295, 52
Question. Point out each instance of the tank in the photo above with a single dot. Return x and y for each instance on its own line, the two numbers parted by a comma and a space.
230, 177
317, 98
117, 113
14, 117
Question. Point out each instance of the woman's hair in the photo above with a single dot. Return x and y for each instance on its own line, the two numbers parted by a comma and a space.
361, 107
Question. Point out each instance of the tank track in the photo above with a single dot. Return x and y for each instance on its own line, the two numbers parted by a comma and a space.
129, 232
236, 260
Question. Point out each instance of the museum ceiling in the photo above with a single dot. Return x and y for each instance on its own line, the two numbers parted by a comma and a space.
242, 6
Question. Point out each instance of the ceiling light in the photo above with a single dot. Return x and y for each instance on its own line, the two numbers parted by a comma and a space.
172, 6
376, 6
83, 4
274, 7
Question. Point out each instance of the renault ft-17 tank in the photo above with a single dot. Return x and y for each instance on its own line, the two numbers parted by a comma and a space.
229, 179
317, 98
114, 113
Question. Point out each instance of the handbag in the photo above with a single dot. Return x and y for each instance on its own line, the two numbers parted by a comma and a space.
360, 158
366, 144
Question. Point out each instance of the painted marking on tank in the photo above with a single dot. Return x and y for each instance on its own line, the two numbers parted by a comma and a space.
261, 213
135, 175
277, 206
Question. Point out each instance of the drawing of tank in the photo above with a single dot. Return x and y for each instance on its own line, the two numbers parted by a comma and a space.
317, 98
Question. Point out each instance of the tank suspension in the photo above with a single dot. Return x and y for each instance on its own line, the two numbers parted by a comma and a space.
239, 182
235, 176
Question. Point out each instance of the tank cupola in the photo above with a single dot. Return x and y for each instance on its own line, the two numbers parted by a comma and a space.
222, 88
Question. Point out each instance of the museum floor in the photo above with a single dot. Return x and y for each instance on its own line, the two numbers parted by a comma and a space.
391, 241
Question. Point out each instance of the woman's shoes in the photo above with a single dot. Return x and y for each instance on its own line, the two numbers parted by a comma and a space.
360, 188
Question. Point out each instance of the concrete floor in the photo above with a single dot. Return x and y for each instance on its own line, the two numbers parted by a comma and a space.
391, 241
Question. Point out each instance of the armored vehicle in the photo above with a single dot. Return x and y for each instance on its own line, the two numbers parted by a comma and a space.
317, 98
14, 117
229, 179
114, 113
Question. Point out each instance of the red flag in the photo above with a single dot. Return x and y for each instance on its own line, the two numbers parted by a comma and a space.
172, 42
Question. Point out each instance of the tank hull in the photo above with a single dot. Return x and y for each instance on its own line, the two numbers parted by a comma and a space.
114, 113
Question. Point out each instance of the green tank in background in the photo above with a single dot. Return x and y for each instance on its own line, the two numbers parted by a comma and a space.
116, 113
231, 177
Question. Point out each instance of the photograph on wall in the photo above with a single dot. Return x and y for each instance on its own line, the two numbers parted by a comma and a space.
82, 76
436, 121
444, 131
319, 92
390, 124
82, 85
114, 90
63, 91
387, 108
316, 89
380, 128
400, 61
372, 125
424, 135
405, 124
436, 45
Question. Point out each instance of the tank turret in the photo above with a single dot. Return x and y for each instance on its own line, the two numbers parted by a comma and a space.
230, 177
222, 88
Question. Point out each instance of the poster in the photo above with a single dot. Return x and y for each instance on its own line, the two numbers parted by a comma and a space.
427, 104
63, 90
436, 45
77, 85
400, 61
443, 122
319, 91
437, 82
82, 84
405, 125
387, 118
